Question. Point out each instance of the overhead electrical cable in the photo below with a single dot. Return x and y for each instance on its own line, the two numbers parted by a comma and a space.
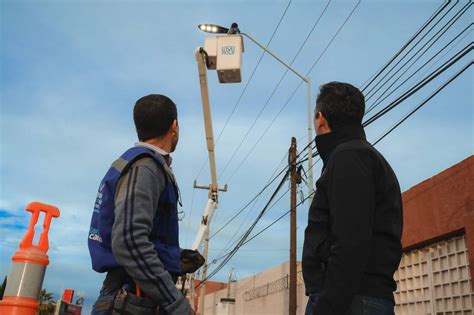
424, 102
422, 83
233, 241
433, 40
375, 85
415, 88
250, 229
249, 202
417, 33
445, 54
380, 100
228, 221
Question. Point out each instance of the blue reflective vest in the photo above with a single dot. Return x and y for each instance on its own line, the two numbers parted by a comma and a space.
164, 234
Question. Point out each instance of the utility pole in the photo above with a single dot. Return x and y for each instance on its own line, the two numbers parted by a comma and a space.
294, 181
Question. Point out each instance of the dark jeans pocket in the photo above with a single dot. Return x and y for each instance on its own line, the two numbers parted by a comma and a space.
377, 306
312, 301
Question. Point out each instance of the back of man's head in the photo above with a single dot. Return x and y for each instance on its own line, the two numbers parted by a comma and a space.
153, 116
341, 104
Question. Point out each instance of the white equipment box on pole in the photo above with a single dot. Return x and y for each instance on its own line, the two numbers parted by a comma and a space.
224, 54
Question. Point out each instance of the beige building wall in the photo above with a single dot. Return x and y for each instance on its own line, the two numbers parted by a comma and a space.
264, 293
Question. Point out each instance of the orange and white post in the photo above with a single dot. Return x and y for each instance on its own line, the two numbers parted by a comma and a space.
29, 265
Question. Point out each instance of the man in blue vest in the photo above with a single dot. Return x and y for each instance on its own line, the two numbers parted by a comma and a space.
134, 228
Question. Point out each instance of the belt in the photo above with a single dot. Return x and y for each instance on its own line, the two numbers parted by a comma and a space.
118, 283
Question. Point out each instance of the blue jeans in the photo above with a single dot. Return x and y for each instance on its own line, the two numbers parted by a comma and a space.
360, 305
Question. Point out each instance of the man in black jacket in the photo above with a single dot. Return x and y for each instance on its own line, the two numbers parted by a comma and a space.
352, 243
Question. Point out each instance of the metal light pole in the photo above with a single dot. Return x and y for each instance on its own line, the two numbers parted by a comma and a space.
307, 80
202, 59
217, 29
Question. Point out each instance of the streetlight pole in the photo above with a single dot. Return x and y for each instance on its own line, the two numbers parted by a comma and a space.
201, 58
217, 29
307, 80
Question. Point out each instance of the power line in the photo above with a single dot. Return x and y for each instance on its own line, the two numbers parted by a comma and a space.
270, 180
232, 243
235, 216
417, 33
414, 110
273, 92
369, 95
278, 219
247, 84
293, 93
232, 240
229, 255
379, 101
422, 83
446, 53
249, 230
248, 203
247, 233
449, 63
333, 38
433, 40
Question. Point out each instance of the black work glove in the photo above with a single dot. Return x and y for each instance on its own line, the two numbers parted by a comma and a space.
191, 260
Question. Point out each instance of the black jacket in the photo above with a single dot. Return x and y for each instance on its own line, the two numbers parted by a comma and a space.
352, 241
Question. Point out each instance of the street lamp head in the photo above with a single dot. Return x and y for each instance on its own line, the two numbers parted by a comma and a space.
213, 28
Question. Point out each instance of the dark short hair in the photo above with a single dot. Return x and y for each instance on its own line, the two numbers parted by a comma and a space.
341, 104
153, 116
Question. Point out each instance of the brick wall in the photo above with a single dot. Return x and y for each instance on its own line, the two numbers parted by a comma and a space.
441, 206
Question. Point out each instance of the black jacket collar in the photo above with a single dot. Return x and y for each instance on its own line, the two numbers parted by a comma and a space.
327, 142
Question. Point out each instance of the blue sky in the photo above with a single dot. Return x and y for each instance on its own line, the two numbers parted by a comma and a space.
72, 70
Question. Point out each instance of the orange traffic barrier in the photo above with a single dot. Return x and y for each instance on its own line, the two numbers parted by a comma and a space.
29, 265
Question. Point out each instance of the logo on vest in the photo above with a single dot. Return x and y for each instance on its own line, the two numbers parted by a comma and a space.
98, 201
94, 235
